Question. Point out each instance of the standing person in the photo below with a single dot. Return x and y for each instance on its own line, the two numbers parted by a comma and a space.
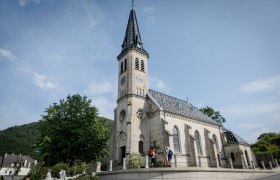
170, 154
153, 157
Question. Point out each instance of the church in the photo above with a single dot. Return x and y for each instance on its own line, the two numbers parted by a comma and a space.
145, 118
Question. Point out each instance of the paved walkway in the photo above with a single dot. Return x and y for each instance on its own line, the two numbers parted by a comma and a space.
274, 176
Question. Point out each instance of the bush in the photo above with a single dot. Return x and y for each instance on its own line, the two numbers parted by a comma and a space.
57, 168
159, 164
80, 168
38, 172
135, 160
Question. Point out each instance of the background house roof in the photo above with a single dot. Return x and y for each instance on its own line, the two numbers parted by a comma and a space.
9, 159
233, 138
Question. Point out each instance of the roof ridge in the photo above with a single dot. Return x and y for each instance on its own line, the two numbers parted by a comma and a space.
174, 97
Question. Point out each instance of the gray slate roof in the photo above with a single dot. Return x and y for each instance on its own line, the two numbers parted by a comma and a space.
233, 138
14, 158
180, 107
132, 38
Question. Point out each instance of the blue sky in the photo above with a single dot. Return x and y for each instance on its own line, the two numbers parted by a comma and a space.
224, 54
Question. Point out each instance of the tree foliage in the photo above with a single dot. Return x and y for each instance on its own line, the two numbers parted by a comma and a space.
215, 115
71, 130
19, 139
268, 143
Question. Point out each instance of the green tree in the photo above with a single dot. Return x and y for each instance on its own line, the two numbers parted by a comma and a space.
71, 130
268, 143
215, 115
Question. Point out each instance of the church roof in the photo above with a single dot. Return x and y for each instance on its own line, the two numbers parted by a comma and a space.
233, 138
132, 38
180, 107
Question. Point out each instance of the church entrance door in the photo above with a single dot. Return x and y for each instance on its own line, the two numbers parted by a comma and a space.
122, 150
219, 159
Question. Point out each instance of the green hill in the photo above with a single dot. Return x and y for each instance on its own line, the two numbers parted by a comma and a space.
20, 139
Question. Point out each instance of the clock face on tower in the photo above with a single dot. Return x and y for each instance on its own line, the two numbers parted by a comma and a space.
123, 80
140, 78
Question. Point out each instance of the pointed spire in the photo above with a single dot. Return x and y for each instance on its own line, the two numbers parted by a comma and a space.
132, 39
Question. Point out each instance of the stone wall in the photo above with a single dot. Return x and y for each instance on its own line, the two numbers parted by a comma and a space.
181, 174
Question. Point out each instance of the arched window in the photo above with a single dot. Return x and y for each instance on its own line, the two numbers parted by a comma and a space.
136, 64
214, 138
198, 143
232, 156
176, 139
122, 114
121, 67
141, 147
142, 65
125, 65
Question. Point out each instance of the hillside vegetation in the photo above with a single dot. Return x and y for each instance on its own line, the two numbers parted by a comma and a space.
21, 139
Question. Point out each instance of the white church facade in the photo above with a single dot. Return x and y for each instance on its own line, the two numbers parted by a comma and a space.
146, 118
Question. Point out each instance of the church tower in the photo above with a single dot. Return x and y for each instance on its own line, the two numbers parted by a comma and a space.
130, 126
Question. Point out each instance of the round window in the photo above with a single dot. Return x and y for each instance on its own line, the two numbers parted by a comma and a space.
140, 113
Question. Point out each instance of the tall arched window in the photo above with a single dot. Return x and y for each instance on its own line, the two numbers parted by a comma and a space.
214, 138
121, 67
136, 64
176, 139
232, 156
141, 147
247, 158
198, 143
125, 65
142, 65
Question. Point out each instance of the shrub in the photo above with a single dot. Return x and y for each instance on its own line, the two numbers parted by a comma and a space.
159, 164
38, 172
135, 160
57, 168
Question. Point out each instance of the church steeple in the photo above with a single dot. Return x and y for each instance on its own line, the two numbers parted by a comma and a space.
132, 39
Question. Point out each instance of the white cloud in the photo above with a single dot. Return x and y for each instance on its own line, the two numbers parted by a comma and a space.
105, 106
252, 119
40, 80
101, 88
156, 83
263, 85
249, 110
103, 94
13, 114
149, 12
90, 9
22, 3
43, 82
6, 55
201, 105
